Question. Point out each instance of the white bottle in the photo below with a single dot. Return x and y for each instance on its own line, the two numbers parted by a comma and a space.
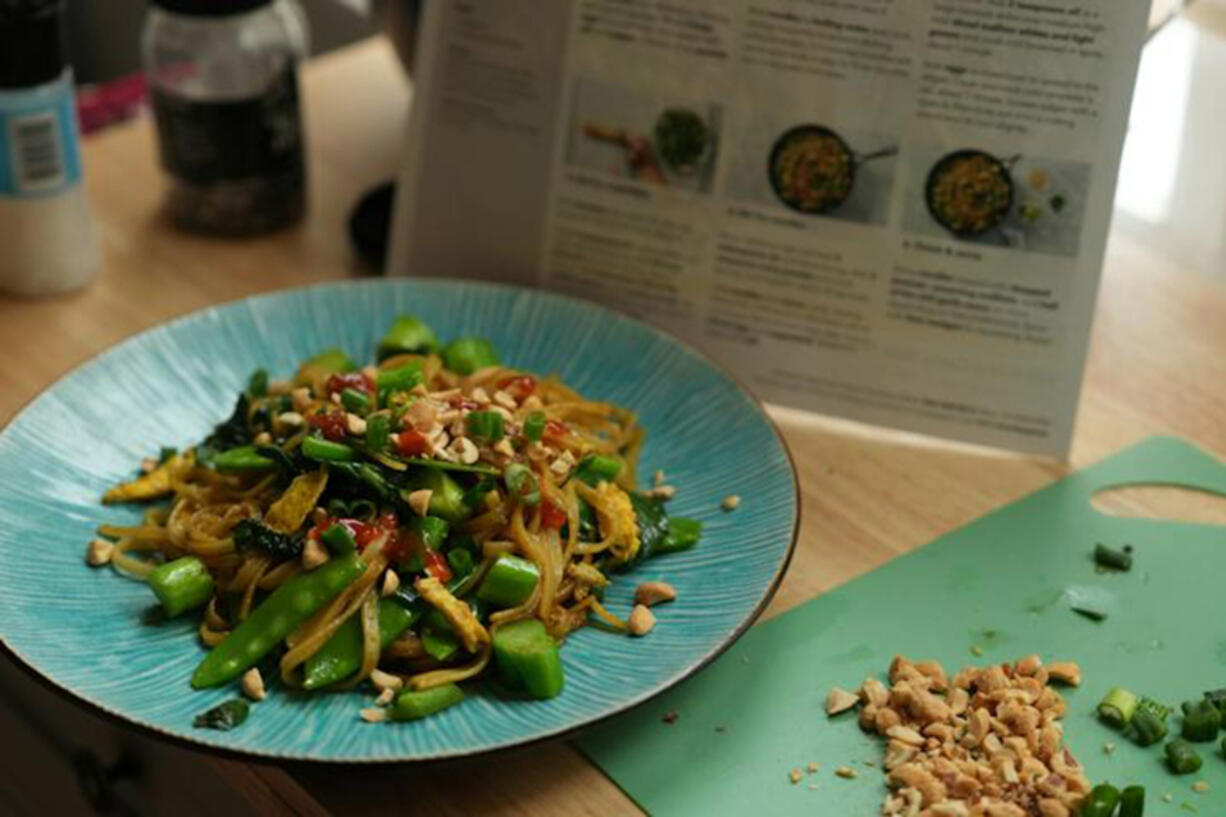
47, 238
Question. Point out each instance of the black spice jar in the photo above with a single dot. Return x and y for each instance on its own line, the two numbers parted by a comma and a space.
223, 77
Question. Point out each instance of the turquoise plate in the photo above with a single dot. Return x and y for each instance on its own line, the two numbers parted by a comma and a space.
82, 628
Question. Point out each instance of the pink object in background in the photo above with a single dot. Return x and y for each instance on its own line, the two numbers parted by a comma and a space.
111, 102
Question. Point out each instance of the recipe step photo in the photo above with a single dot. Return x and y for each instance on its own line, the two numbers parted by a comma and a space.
629, 134
810, 165
992, 196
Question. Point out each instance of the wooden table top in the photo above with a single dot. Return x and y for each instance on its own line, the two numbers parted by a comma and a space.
868, 495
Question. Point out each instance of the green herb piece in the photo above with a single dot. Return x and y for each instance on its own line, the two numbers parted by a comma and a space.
599, 468
1110, 558
1101, 801
484, 425
1117, 707
1201, 721
1181, 757
534, 425
522, 483
461, 562
1149, 722
1057, 203
1092, 613
1132, 802
225, 716
402, 378
241, 458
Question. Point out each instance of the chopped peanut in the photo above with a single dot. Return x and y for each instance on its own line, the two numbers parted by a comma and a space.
730, 502
419, 501
839, 700
1066, 672
391, 583
253, 685
385, 680
373, 715
641, 620
987, 743
313, 553
99, 552
652, 593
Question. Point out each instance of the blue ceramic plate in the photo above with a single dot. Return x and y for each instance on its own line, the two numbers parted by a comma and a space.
82, 628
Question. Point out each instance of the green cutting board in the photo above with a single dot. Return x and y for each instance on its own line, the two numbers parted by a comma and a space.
1001, 583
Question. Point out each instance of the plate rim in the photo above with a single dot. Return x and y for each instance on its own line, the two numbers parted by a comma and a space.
268, 757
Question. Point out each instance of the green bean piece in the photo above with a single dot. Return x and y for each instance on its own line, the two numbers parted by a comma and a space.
1111, 558
378, 432
338, 540
1117, 707
355, 401
242, 458
431, 529
446, 495
682, 534
401, 378
412, 705
257, 385
528, 658
522, 483
509, 581
1201, 721
341, 655
274, 619
534, 425
1132, 802
467, 355
484, 425
407, 335
441, 646
1181, 757
181, 585
321, 450
598, 468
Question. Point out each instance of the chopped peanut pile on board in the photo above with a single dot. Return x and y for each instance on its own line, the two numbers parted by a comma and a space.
986, 743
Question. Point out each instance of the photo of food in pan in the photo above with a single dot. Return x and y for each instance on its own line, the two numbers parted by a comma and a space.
970, 192
994, 197
813, 170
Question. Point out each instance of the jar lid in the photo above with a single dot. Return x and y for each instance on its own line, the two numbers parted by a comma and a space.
31, 42
210, 8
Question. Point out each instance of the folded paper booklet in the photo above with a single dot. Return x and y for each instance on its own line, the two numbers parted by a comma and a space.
889, 211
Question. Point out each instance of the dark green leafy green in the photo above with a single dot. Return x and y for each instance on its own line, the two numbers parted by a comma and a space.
225, 716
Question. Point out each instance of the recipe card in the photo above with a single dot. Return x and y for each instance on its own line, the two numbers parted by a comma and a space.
888, 210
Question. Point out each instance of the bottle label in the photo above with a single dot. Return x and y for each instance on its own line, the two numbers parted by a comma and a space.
40, 152
210, 141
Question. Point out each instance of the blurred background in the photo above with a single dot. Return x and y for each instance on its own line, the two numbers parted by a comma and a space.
105, 37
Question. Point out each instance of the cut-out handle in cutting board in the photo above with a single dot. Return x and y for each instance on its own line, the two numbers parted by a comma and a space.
1000, 584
